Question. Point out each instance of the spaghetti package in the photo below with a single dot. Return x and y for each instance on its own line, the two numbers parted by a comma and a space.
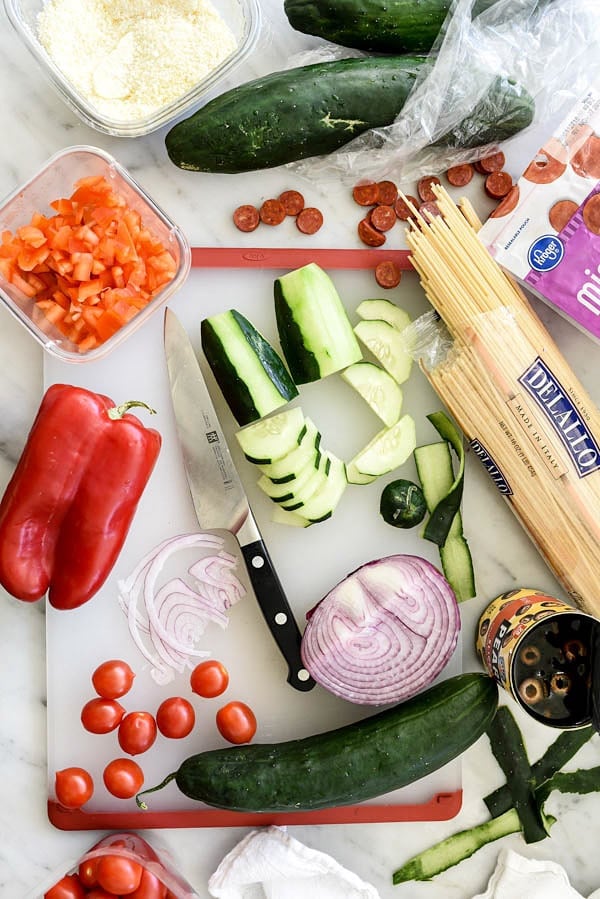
522, 409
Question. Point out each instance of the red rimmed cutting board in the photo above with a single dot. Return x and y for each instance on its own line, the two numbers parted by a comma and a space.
309, 562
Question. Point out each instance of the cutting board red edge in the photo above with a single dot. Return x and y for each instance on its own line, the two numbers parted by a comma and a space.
441, 806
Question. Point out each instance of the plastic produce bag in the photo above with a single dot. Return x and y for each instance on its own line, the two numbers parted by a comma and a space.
549, 47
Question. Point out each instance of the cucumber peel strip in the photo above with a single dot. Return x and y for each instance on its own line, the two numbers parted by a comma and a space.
441, 518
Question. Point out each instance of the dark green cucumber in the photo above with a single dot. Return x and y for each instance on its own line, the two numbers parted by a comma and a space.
351, 764
315, 109
250, 373
386, 26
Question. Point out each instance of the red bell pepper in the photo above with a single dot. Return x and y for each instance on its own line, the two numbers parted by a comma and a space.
68, 507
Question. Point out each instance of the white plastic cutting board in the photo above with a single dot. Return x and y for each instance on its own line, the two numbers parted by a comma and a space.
309, 562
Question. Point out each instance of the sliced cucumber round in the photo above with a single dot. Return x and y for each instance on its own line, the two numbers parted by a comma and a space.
272, 438
307, 490
377, 387
385, 311
354, 476
282, 516
322, 504
285, 492
388, 346
287, 468
389, 449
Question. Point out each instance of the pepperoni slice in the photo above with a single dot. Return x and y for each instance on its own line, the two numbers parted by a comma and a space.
387, 274
460, 175
366, 193
403, 210
586, 162
246, 217
293, 201
498, 185
591, 214
309, 220
387, 193
272, 212
383, 217
370, 235
478, 168
544, 169
508, 204
428, 209
424, 188
561, 213
493, 163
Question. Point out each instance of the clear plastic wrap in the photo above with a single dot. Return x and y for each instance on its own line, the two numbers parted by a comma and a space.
549, 47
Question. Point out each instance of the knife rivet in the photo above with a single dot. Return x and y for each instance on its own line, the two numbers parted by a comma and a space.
257, 561
303, 674
280, 618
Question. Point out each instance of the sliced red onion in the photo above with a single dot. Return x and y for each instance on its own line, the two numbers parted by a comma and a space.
384, 632
167, 623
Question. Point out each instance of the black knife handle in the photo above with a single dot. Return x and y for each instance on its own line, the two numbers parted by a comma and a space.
277, 613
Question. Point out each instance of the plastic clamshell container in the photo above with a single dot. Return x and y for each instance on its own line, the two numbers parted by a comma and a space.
128, 845
57, 179
242, 16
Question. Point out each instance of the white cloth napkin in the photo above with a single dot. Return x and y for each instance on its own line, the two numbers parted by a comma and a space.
516, 877
270, 864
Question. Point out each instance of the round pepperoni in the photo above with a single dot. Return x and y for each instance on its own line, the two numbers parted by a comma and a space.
272, 212
460, 175
309, 220
387, 274
508, 204
544, 169
493, 163
403, 210
292, 201
370, 235
366, 193
561, 213
586, 162
246, 217
383, 217
387, 193
428, 209
498, 185
424, 188
591, 214
478, 168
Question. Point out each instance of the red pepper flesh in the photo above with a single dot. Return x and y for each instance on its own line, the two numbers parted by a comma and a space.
67, 509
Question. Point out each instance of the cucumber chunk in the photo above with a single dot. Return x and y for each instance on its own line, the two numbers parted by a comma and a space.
388, 346
249, 372
307, 452
354, 476
321, 505
292, 519
402, 504
384, 311
286, 491
304, 492
274, 437
377, 387
389, 449
315, 333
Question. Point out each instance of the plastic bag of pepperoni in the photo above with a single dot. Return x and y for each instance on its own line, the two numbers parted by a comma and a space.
517, 61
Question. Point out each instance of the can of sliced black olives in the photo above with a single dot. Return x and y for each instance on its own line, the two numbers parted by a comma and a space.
540, 649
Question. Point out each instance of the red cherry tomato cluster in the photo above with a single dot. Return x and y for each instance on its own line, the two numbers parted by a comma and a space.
108, 876
236, 721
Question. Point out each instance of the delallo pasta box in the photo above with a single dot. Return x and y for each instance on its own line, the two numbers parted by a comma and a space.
546, 232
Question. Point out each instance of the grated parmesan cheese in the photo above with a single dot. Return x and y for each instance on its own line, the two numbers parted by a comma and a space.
131, 57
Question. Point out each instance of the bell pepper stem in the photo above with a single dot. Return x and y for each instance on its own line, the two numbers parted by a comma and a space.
119, 411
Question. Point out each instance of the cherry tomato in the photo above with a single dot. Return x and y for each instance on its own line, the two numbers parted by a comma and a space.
175, 717
100, 716
209, 679
137, 732
123, 778
236, 722
99, 893
118, 875
68, 887
150, 887
112, 679
73, 787
87, 872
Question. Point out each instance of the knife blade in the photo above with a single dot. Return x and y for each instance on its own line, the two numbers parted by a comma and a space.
218, 495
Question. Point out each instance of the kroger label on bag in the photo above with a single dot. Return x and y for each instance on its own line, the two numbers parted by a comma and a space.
546, 232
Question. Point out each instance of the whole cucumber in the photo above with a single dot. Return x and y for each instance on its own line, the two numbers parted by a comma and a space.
353, 763
315, 109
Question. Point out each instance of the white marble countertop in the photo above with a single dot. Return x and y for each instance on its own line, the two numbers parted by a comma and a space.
36, 124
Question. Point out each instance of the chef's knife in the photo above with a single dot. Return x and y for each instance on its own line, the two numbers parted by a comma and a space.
218, 495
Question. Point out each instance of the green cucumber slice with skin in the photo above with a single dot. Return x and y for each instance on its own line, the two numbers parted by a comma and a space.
442, 515
378, 389
286, 491
315, 332
315, 109
287, 468
304, 492
322, 504
388, 346
354, 476
272, 438
389, 449
384, 311
291, 519
353, 763
249, 372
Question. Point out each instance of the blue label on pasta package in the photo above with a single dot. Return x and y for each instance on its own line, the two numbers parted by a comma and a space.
545, 253
490, 466
563, 415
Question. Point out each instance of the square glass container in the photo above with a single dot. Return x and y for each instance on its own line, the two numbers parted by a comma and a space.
56, 180
242, 16
156, 864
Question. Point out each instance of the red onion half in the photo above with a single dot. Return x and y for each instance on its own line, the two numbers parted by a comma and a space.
384, 632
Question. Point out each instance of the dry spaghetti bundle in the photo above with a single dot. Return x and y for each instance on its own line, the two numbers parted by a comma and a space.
515, 397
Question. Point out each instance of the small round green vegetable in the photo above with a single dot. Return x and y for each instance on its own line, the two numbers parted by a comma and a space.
402, 504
